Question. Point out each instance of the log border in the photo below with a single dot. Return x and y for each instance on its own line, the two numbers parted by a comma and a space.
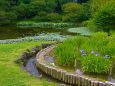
63, 75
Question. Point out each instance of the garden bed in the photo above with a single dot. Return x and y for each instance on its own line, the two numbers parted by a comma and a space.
63, 75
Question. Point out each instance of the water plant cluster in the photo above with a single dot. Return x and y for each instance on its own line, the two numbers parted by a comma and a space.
95, 53
45, 24
41, 37
82, 31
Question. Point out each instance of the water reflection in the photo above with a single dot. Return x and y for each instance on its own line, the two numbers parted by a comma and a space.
13, 32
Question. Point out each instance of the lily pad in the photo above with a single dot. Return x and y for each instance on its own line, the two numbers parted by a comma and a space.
82, 31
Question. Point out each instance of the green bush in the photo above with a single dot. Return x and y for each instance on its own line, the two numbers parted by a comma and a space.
95, 53
86, 11
73, 12
104, 18
41, 16
55, 17
96, 4
7, 17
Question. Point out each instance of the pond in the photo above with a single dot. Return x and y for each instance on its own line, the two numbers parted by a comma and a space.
13, 32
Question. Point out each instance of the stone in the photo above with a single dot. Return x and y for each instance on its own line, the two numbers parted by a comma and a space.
86, 82
96, 83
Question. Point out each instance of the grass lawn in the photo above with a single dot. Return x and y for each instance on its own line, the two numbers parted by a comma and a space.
10, 73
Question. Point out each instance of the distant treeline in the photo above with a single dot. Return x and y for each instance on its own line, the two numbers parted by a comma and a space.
39, 10
98, 13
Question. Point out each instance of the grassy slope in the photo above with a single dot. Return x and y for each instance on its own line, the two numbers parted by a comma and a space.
10, 73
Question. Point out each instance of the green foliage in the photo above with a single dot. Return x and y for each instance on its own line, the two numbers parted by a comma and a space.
52, 10
96, 4
29, 10
4, 5
37, 6
23, 1
86, 11
95, 62
7, 17
45, 24
73, 12
105, 17
54, 17
43, 16
50, 5
82, 1
66, 50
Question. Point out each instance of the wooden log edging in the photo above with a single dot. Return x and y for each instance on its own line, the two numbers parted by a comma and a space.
63, 75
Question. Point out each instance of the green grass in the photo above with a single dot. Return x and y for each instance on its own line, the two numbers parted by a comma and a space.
10, 73
100, 43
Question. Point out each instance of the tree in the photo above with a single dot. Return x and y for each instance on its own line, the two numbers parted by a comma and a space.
22, 11
73, 12
81, 1
4, 5
7, 17
96, 4
50, 5
104, 18
37, 6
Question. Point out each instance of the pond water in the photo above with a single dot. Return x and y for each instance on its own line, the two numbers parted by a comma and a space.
13, 32
50, 58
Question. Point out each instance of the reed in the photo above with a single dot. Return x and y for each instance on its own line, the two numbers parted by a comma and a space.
95, 53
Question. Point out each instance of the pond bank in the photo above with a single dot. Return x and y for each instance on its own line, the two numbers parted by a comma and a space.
66, 77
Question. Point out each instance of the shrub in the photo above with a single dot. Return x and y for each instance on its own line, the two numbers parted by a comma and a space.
86, 11
96, 4
7, 17
73, 12
105, 17
41, 16
95, 53
55, 17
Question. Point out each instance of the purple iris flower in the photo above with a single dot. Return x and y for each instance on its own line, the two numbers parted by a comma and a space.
92, 51
106, 56
84, 54
97, 54
81, 51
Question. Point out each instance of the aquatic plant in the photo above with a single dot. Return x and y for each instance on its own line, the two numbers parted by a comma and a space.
95, 53
45, 24
82, 31
41, 37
